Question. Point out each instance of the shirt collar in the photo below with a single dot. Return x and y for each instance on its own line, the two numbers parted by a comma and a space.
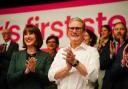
8, 42
82, 45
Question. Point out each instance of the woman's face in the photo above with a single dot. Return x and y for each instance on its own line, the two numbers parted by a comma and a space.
104, 32
87, 38
29, 39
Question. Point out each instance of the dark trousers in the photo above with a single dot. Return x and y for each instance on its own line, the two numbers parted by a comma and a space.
3, 80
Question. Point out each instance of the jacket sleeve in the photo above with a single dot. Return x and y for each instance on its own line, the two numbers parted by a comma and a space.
14, 76
42, 74
118, 71
105, 60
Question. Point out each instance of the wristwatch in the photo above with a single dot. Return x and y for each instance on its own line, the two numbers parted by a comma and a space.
75, 63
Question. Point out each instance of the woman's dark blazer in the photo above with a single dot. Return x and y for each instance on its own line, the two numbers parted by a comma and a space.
16, 77
106, 64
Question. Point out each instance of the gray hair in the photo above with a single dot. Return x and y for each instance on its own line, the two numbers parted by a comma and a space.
79, 20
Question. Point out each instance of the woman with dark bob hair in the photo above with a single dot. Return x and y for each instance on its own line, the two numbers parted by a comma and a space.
90, 37
28, 68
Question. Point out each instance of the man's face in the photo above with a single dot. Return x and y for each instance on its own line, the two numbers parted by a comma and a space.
119, 32
6, 34
75, 32
51, 44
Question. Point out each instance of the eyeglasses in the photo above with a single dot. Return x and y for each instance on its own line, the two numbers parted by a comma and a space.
5, 33
78, 29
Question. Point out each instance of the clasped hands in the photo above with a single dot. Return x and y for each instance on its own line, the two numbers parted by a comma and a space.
124, 60
69, 57
30, 65
112, 48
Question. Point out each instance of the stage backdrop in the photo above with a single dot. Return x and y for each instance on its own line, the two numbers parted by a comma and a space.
53, 19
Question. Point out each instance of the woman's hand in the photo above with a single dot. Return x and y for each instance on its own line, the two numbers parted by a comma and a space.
30, 65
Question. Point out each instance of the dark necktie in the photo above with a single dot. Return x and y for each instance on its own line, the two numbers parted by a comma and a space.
4, 48
117, 48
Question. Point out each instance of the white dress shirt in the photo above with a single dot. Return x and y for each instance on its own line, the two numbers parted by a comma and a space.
86, 55
8, 43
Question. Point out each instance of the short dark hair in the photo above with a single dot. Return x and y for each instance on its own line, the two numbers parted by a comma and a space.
92, 36
53, 37
33, 29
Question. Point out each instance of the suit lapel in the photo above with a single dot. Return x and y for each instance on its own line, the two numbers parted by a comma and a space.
38, 58
24, 58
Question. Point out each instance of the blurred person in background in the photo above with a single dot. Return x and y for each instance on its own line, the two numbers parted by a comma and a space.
6, 51
52, 45
90, 40
119, 70
107, 51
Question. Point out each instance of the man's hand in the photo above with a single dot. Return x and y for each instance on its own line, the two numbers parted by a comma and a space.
124, 60
69, 56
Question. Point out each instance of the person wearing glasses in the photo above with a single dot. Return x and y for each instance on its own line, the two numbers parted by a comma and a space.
6, 51
52, 44
73, 67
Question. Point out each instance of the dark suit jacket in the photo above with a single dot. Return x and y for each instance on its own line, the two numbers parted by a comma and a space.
18, 80
106, 64
6, 56
119, 74
51, 85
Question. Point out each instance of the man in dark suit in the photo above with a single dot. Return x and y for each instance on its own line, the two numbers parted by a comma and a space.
6, 51
119, 70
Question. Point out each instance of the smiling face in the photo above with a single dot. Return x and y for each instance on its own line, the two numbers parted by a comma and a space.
75, 31
29, 39
32, 36
87, 38
119, 31
104, 32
